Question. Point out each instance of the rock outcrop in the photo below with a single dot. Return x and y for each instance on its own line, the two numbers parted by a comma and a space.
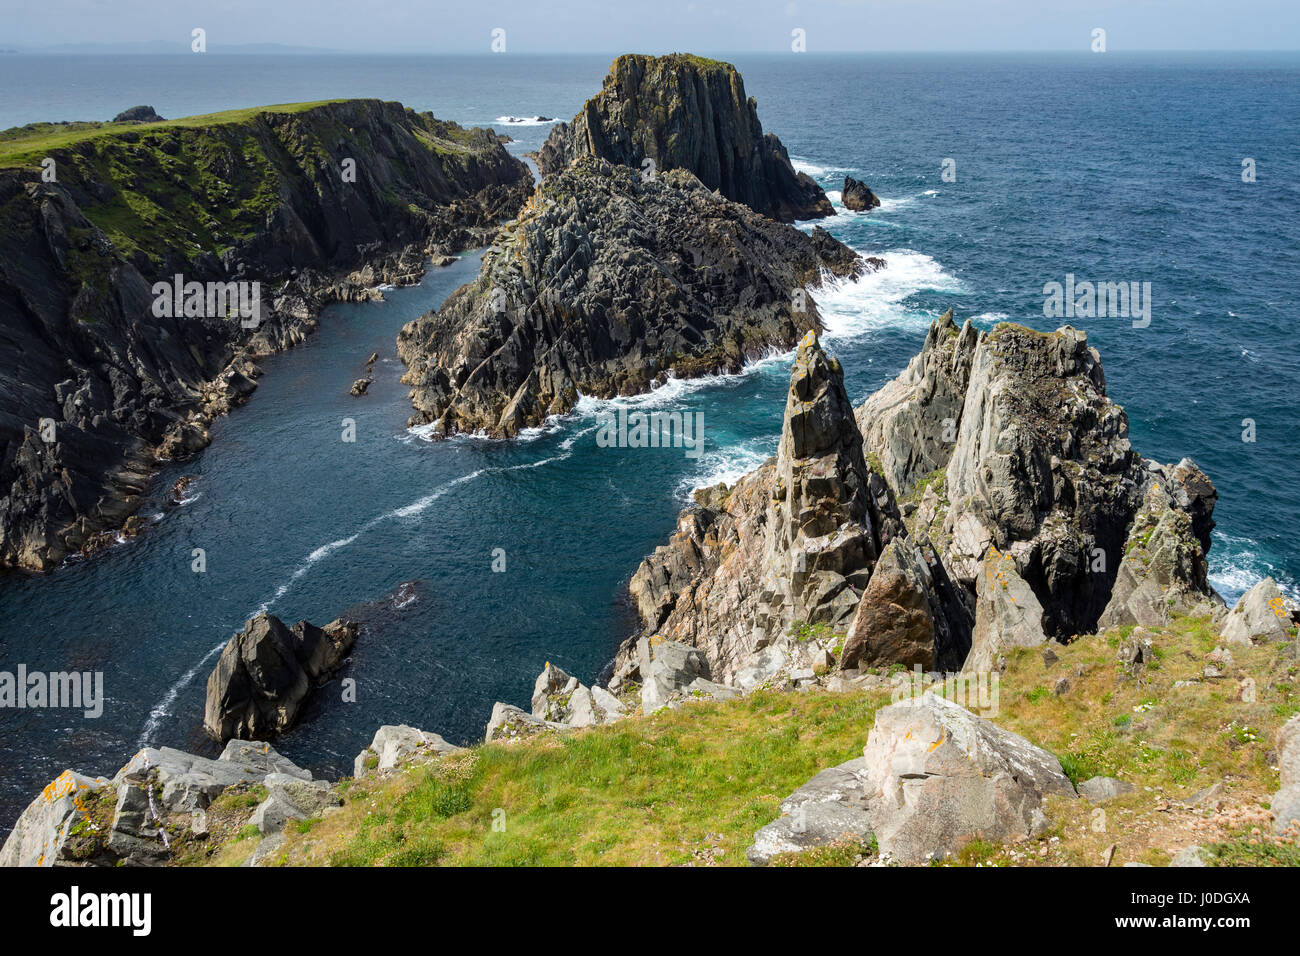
1020, 449
858, 196
1263, 613
994, 502
561, 699
314, 204
267, 671
932, 777
792, 542
154, 806
396, 744
138, 114
687, 112
607, 284
910, 424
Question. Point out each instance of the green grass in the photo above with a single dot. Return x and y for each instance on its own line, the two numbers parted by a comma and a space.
28, 145
625, 793
1245, 850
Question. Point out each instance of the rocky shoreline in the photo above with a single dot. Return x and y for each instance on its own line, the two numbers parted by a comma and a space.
732, 611
981, 513
571, 301
314, 205
656, 245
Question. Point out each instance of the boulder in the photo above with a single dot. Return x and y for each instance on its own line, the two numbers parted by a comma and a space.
761, 667
394, 744
509, 723
910, 613
1286, 802
267, 671
937, 776
607, 703
1007, 614
858, 196
1262, 614
1101, 789
289, 798
1189, 856
831, 808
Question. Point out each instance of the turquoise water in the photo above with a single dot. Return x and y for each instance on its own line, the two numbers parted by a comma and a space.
1111, 168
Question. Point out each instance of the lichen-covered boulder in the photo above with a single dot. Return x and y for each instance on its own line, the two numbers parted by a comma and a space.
937, 776
1264, 613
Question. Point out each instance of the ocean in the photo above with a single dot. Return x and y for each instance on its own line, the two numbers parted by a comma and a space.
1108, 168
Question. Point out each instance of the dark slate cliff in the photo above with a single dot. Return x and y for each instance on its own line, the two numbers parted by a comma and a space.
686, 112
608, 282
255, 195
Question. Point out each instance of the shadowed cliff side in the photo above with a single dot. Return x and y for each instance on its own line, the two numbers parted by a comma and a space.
317, 202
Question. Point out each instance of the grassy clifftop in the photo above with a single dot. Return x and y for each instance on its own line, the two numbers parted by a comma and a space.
209, 183
692, 786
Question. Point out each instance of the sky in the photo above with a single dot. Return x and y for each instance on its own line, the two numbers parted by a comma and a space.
656, 26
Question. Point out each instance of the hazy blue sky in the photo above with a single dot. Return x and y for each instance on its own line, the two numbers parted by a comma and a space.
535, 26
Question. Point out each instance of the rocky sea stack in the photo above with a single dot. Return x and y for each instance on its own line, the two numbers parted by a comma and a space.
266, 673
687, 112
858, 196
608, 282
312, 203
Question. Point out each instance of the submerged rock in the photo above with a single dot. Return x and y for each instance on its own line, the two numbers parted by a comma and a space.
266, 673
687, 112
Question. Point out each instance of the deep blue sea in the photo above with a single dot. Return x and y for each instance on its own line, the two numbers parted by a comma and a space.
1113, 167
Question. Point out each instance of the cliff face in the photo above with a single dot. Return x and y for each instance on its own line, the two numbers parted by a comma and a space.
259, 195
793, 541
686, 112
607, 283
1023, 514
